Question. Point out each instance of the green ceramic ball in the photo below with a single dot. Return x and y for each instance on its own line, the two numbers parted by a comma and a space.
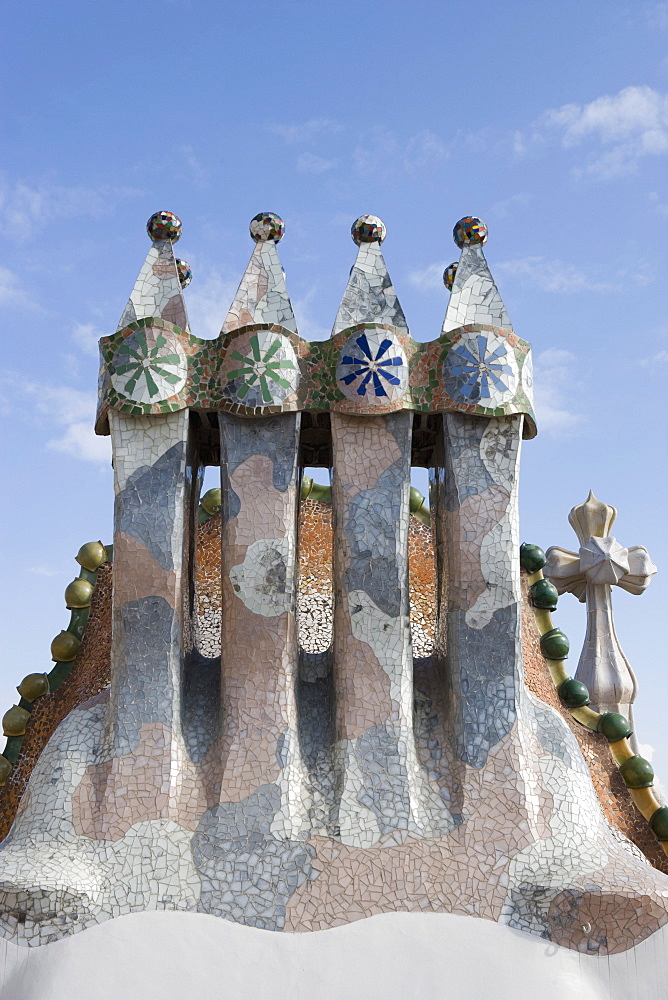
64, 647
211, 501
637, 772
91, 556
544, 595
321, 493
5, 770
658, 823
614, 726
574, 694
14, 721
532, 558
33, 686
555, 644
78, 594
416, 500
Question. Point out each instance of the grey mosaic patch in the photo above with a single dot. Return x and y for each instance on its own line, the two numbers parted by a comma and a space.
371, 526
465, 472
484, 689
247, 874
526, 909
273, 437
385, 781
147, 507
551, 733
201, 704
147, 674
317, 733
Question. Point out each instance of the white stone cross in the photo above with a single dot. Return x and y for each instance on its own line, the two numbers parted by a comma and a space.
590, 574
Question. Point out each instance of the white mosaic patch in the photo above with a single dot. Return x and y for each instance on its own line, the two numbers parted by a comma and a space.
262, 580
474, 297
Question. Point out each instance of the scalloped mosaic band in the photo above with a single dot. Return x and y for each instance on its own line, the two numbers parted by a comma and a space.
152, 367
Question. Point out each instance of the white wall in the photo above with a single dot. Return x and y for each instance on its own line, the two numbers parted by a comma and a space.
403, 956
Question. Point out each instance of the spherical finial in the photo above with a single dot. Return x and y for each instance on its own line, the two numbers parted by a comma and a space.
164, 226
470, 231
368, 229
184, 272
267, 226
449, 275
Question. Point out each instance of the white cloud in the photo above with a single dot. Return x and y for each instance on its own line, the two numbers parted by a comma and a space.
657, 204
198, 174
208, 300
508, 206
377, 154
63, 404
43, 571
423, 149
657, 16
428, 278
308, 326
519, 143
382, 151
309, 163
658, 359
624, 127
553, 275
305, 132
26, 206
547, 274
80, 441
12, 293
86, 337
70, 411
554, 386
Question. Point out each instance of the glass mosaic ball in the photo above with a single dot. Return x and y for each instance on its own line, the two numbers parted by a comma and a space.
267, 226
368, 229
470, 231
449, 276
184, 272
164, 226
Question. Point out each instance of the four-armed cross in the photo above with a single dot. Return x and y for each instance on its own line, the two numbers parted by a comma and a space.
601, 563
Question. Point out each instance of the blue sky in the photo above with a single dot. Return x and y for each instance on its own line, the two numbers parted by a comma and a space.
548, 121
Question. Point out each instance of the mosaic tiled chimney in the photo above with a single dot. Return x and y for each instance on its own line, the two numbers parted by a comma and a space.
365, 390
295, 791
